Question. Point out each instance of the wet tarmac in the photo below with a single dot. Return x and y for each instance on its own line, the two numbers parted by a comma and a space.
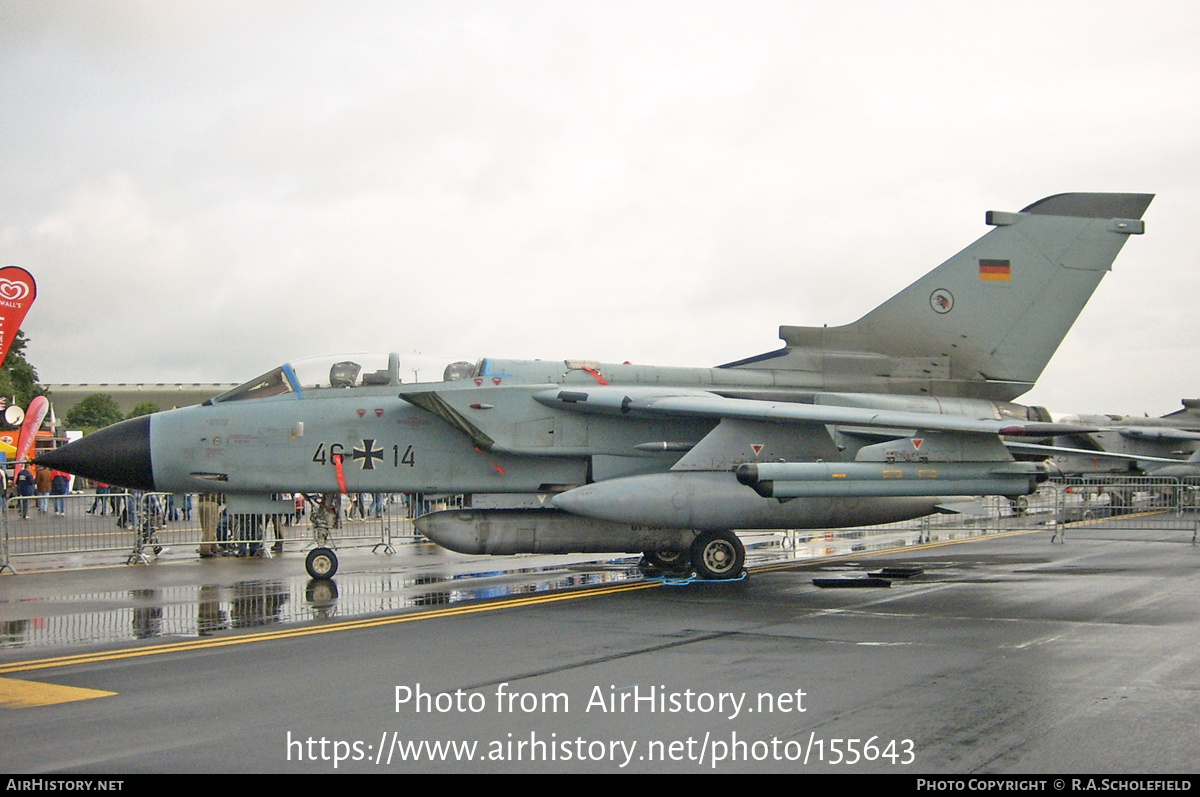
65, 600
52, 604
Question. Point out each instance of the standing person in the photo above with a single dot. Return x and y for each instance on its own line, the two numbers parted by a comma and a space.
326, 516
278, 546
356, 507
101, 499
210, 512
127, 517
26, 487
60, 484
249, 533
45, 480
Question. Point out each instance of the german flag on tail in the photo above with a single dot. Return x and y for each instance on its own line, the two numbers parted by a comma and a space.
995, 270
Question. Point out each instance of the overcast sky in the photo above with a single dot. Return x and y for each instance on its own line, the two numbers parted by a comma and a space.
204, 190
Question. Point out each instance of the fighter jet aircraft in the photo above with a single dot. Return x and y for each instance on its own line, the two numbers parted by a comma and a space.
1131, 446
1118, 449
1113, 452
875, 421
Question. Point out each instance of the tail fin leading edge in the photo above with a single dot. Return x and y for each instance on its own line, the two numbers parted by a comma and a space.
984, 323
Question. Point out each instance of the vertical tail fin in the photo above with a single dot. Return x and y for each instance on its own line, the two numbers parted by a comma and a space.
985, 322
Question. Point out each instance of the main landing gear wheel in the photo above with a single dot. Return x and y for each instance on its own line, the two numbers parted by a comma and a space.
321, 563
666, 560
718, 555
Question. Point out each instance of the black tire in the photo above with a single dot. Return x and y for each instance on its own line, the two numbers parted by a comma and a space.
666, 560
321, 563
718, 555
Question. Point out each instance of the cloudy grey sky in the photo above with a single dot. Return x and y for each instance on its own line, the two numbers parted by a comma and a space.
206, 189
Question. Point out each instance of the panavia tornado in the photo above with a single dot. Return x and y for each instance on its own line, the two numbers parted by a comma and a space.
884, 419
1127, 445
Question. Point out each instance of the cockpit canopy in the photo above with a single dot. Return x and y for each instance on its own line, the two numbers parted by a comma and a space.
347, 371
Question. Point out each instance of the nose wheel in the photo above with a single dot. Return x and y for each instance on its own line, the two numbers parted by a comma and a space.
321, 563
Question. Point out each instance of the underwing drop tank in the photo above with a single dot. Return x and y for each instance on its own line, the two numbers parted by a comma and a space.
544, 531
870, 479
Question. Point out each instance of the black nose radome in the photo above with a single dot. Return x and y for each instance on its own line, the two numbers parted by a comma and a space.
117, 454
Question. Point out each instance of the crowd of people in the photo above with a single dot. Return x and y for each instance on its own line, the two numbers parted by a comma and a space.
44, 487
44, 490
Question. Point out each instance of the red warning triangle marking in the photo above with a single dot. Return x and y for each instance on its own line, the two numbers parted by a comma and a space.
917, 441
758, 447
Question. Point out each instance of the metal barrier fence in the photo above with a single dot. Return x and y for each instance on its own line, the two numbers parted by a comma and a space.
1131, 503
1146, 503
141, 523
1126, 497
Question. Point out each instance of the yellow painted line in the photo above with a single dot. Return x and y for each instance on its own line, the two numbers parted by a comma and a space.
350, 625
119, 534
30, 694
1132, 516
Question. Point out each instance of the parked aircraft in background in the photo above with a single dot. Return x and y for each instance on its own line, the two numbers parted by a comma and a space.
1126, 445
875, 421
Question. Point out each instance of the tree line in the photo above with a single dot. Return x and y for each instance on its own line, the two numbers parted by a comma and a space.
19, 380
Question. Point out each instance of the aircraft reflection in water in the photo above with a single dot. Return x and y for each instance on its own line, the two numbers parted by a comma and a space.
876, 421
